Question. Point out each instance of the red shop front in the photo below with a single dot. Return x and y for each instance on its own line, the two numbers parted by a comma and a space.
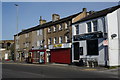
62, 55
37, 56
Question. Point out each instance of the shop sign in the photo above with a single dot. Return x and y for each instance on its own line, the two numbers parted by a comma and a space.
94, 35
57, 45
65, 45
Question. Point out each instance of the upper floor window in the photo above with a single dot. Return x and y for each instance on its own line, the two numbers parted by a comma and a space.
39, 32
95, 25
66, 26
54, 28
89, 27
77, 29
49, 29
60, 39
49, 41
60, 26
55, 40
27, 35
67, 38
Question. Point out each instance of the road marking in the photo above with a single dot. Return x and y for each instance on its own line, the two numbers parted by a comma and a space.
89, 69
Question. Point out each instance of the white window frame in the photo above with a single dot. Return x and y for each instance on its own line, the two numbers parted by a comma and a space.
60, 39
66, 39
38, 43
26, 35
66, 26
49, 41
54, 28
93, 25
55, 40
49, 29
60, 26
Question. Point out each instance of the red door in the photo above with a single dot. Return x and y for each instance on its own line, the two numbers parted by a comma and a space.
61, 56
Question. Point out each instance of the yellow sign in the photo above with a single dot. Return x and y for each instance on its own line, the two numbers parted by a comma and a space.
57, 45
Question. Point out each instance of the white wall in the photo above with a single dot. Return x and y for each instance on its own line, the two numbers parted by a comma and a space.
83, 29
113, 43
118, 12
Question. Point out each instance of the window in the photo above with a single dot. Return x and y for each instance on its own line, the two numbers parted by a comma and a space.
60, 39
26, 44
38, 43
49, 41
60, 26
89, 27
49, 29
77, 29
66, 38
54, 28
66, 26
27, 35
55, 41
95, 25
39, 32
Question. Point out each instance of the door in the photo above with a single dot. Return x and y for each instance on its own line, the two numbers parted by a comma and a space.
76, 51
42, 57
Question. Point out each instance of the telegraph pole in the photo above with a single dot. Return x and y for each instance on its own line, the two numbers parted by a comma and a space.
16, 28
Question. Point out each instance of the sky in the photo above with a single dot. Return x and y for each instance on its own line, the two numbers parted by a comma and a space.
30, 12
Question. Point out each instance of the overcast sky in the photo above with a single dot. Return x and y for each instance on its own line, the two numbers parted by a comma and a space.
30, 12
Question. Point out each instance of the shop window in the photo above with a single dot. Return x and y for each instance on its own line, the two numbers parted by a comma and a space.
95, 25
92, 47
77, 29
89, 27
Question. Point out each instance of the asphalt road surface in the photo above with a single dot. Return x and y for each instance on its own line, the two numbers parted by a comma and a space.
50, 71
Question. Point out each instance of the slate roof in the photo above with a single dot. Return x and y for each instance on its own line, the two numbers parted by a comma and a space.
48, 24
98, 14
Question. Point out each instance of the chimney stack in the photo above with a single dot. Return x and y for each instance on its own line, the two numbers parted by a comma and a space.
84, 9
55, 17
41, 21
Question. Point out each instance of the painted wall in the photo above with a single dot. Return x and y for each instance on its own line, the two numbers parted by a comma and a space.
83, 29
113, 43
118, 15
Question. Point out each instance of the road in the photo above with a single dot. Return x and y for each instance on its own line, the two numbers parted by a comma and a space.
12, 70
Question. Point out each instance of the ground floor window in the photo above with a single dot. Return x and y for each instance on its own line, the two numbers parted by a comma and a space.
92, 47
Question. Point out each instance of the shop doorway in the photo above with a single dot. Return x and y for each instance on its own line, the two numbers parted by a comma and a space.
76, 51
92, 47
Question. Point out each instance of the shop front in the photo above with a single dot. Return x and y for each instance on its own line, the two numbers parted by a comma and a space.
60, 53
37, 56
89, 47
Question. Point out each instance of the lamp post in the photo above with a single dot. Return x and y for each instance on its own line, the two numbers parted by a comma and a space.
16, 28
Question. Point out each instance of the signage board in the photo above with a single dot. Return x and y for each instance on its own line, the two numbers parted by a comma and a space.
89, 36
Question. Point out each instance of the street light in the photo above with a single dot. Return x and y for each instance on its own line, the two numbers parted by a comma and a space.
16, 26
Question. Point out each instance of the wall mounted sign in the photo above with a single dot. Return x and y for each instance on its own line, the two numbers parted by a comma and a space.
88, 36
